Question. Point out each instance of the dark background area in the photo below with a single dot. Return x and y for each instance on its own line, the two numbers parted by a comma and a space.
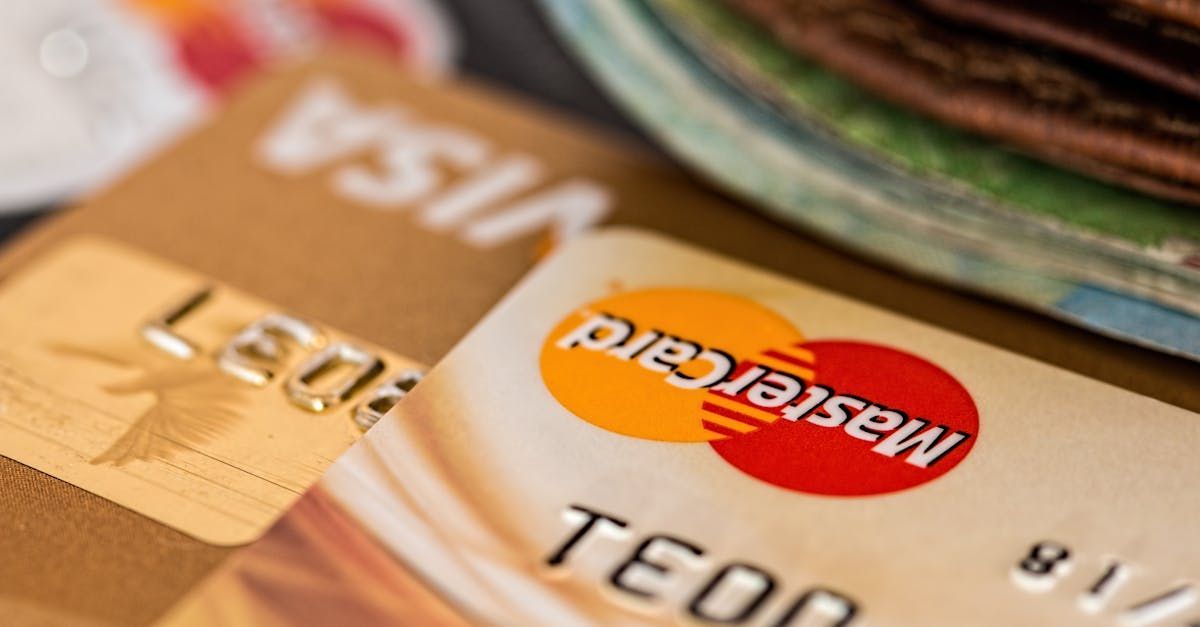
505, 43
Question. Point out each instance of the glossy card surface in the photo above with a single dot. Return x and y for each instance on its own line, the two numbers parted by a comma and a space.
644, 433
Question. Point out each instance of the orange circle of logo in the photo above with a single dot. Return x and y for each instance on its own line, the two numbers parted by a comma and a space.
616, 362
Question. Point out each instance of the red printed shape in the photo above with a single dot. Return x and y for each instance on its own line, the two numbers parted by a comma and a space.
830, 460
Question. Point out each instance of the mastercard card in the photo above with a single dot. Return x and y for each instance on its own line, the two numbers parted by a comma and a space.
643, 432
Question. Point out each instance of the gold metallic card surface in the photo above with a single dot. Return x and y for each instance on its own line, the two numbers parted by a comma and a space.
201, 418
644, 433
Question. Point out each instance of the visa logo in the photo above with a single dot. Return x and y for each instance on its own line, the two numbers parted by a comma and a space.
453, 179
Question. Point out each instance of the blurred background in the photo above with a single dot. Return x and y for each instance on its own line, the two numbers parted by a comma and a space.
1047, 156
506, 43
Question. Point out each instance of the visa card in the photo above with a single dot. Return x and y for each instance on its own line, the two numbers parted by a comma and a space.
182, 399
643, 432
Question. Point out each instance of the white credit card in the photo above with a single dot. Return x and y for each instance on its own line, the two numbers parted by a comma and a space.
645, 433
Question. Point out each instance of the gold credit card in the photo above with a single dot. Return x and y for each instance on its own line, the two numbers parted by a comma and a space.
186, 401
391, 213
646, 433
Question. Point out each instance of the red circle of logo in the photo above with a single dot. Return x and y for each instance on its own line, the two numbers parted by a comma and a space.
932, 425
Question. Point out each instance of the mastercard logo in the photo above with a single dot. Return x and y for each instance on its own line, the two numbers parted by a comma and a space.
829, 417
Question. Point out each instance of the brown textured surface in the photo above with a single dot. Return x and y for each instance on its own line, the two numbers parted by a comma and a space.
53, 533
1183, 11
1041, 105
1120, 38
375, 274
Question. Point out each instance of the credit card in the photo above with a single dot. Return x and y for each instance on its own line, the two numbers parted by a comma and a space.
95, 86
385, 210
643, 432
181, 399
